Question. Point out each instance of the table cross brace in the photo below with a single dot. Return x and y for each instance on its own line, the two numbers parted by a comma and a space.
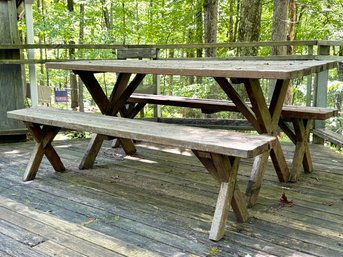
109, 106
300, 137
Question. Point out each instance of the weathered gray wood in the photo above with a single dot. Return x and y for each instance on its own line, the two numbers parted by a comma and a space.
21, 235
320, 94
306, 228
52, 248
13, 248
236, 69
49, 226
214, 105
231, 124
11, 85
107, 219
331, 136
137, 53
237, 144
174, 46
222, 210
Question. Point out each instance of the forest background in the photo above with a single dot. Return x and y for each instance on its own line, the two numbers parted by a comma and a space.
145, 22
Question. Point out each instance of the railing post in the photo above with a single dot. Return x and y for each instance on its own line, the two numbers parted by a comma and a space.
321, 87
31, 52
309, 80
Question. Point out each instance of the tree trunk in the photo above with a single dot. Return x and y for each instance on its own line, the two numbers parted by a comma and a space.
235, 31
199, 24
291, 30
280, 25
232, 29
210, 25
340, 65
70, 4
124, 23
250, 25
280, 33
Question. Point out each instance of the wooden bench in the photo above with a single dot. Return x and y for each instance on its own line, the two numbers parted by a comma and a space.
301, 118
218, 150
333, 137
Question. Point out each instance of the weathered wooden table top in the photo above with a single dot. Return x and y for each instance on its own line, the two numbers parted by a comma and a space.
211, 68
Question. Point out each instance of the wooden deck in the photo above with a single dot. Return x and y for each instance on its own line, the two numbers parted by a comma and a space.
160, 203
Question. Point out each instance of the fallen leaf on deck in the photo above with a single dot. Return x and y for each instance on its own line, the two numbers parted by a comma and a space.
285, 202
85, 223
328, 203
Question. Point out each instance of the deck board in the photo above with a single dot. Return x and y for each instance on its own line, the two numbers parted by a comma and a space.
160, 203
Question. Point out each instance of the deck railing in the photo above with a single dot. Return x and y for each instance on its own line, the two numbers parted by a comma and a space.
301, 50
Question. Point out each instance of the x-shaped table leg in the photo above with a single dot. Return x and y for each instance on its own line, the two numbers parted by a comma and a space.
300, 137
265, 121
43, 137
109, 106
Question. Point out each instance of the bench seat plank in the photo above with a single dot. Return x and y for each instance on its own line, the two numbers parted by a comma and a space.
200, 139
216, 105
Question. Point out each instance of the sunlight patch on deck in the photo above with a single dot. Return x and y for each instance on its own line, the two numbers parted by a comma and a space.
12, 152
135, 158
166, 149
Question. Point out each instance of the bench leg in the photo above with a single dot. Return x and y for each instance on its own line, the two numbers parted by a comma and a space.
43, 137
238, 204
224, 169
256, 178
92, 151
94, 147
258, 169
128, 145
225, 196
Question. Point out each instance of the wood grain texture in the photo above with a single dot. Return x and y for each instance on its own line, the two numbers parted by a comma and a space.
11, 83
238, 69
141, 200
215, 105
237, 144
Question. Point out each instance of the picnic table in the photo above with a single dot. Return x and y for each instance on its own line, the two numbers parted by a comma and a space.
264, 117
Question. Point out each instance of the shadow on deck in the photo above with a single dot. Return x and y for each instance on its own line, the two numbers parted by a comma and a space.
160, 203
